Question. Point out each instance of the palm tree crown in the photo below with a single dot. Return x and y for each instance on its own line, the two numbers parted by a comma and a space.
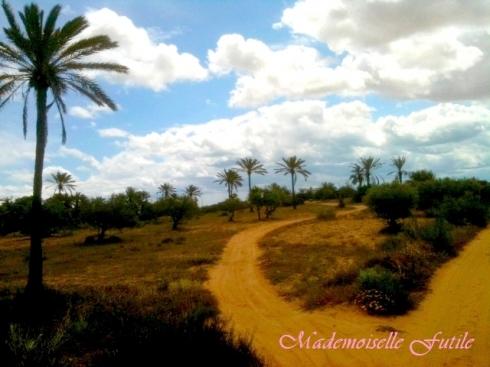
47, 60
398, 163
193, 192
293, 166
251, 165
369, 165
231, 179
357, 174
167, 190
63, 182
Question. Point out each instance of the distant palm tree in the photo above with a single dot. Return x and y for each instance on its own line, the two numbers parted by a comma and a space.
167, 190
357, 175
48, 60
398, 163
193, 192
293, 166
369, 165
231, 179
63, 182
249, 166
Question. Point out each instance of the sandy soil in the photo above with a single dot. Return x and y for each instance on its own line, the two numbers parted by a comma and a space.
459, 301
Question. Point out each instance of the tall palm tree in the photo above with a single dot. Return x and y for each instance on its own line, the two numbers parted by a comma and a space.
63, 182
231, 179
293, 166
167, 190
193, 192
398, 163
369, 165
357, 175
249, 166
46, 59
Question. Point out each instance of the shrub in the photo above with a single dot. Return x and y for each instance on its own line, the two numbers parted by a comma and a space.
381, 292
326, 214
230, 206
268, 198
422, 176
392, 243
464, 210
392, 202
438, 235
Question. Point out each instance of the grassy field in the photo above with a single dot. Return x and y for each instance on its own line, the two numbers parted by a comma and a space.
148, 257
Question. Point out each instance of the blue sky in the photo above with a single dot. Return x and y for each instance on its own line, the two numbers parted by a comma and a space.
213, 81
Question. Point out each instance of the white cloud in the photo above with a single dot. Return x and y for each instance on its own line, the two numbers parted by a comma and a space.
452, 139
15, 149
152, 65
295, 71
448, 138
78, 154
113, 133
410, 48
89, 112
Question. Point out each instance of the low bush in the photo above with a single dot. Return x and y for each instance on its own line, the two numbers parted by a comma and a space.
326, 214
381, 292
438, 236
464, 210
392, 202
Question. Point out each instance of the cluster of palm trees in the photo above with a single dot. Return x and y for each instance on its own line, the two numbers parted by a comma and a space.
167, 190
363, 171
231, 178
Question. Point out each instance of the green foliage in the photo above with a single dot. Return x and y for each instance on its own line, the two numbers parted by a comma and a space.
467, 209
116, 212
268, 199
178, 208
392, 201
230, 206
432, 193
381, 292
438, 235
422, 176
15, 215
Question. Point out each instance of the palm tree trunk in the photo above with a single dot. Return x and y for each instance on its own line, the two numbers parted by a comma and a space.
250, 191
35, 277
292, 187
400, 174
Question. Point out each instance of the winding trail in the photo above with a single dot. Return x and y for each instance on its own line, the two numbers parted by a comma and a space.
459, 302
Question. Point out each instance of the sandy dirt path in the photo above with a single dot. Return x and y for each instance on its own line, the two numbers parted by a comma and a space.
459, 301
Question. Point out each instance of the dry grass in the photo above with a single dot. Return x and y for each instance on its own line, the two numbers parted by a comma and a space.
314, 262
149, 257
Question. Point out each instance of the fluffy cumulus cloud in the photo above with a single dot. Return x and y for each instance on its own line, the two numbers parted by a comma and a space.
152, 65
448, 138
264, 74
439, 50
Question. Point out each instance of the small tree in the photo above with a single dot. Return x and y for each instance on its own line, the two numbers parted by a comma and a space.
269, 198
230, 206
104, 214
392, 202
178, 208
